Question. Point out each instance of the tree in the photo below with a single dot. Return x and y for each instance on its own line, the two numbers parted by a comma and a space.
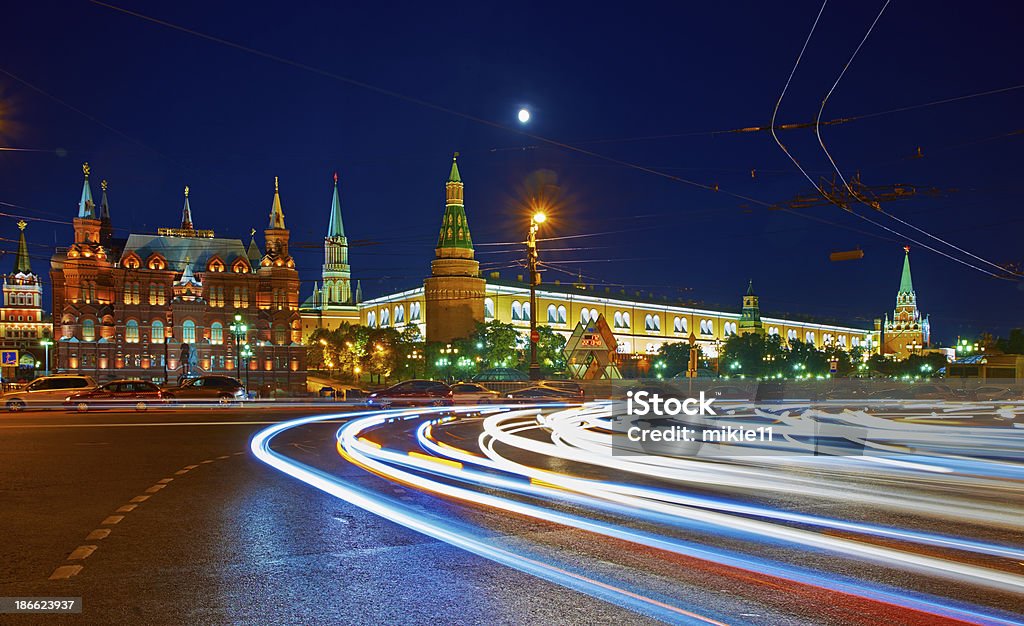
496, 343
549, 350
676, 357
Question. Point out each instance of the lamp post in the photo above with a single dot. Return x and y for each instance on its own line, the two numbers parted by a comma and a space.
246, 354
531, 258
239, 330
46, 342
447, 360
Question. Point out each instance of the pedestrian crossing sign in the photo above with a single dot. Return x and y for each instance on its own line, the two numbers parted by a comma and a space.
9, 357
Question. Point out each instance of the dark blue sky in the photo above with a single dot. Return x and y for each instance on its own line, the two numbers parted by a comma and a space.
164, 108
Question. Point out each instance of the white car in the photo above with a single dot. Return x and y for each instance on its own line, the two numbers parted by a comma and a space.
47, 392
472, 393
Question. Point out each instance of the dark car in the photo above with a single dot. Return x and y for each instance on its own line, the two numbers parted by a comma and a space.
542, 393
117, 394
412, 393
220, 389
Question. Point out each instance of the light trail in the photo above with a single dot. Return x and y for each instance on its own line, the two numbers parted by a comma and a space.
579, 435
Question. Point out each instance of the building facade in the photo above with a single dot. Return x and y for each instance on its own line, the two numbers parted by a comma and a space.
137, 307
908, 332
456, 296
23, 325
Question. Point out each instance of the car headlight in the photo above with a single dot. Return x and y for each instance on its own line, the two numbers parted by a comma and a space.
67, 399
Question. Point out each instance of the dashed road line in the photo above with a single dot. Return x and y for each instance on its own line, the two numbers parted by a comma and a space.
112, 519
128, 508
81, 552
155, 488
99, 533
65, 571
138, 499
164, 481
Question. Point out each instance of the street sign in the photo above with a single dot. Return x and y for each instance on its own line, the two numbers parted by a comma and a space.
833, 366
534, 336
9, 358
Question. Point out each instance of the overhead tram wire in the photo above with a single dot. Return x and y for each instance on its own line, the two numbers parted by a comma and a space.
857, 196
831, 200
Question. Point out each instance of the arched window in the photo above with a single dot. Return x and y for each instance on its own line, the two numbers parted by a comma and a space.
791, 334
131, 332
385, 317
625, 320
679, 324
400, 314
561, 314
414, 310
216, 333
517, 310
617, 320
281, 334
88, 330
488, 308
526, 311
552, 314
371, 319
585, 316
157, 332
188, 331
809, 337
855, 342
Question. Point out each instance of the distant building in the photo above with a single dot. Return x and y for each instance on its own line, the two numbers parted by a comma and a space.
22, 321
333, 301
455, 296
908, 332
128, 307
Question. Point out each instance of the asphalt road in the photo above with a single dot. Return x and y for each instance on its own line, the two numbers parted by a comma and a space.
165, 517
215, 537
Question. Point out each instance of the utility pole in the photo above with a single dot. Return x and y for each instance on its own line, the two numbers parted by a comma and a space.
531, 259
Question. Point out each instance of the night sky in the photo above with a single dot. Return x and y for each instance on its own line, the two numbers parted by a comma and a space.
152, 109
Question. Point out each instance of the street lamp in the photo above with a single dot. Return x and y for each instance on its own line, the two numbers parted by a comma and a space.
531, 258
246, 354
46, 342
239, 330
447, 360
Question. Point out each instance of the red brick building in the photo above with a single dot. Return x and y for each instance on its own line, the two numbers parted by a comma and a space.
126, 307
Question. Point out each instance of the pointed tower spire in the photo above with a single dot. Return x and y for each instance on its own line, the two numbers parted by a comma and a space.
750, 287
335, 228
276, 214
906, 283
21, 262
104, 205
359, 291
253, 251
186, 213
86, 207
454, 228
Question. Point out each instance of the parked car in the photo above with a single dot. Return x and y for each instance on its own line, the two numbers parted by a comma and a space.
988, 393
542, 393
214, 388
472, 393
412, 393
343, 392
47, 391
117, 393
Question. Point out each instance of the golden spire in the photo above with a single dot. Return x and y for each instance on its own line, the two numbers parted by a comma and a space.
186, 191
85, 169
275, 184
103, 184
22, 224
252, 233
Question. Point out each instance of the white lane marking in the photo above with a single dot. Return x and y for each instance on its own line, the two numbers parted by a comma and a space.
81, 552
164, 481
99, 533
190, 467
65, 571
128, 508
181, 471
112, 519
134, 424
138, 499
206, 461
155, 488
224, 457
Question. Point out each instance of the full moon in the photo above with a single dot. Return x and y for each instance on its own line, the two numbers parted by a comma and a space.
524, 116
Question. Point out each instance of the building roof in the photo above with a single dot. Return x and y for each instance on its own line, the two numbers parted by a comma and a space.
186, 213
86, 207
104, 205
21, 262
906, 283
276, 213
454, 177
198, 250
335, 228
253, 252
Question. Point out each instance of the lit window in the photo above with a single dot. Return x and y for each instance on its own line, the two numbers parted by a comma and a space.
281, 335
371, 319
552, 314
131, 332
385, 317
400, 314
488, 308
216, 333
809, 337
517, 310
585, 316
188, 332
414, 310
526, 311
561, 314
157, 331
88, 330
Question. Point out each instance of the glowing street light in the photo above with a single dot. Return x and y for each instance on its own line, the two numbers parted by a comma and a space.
46, 342
531, 258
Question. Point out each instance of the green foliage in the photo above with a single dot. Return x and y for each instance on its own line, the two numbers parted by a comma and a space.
676, 357
496, 344
549, 350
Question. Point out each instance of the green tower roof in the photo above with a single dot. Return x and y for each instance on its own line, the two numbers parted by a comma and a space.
454, 177
86, 207
455, 229
906, 283
335, 228
21, 262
